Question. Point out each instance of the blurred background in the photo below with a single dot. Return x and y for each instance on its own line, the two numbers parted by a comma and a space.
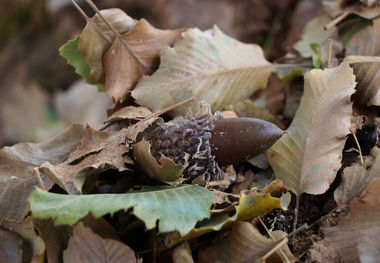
40, 94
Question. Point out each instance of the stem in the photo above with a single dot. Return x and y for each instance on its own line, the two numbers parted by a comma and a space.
295, 216
336, 20
330, 53
39, 179
94, 26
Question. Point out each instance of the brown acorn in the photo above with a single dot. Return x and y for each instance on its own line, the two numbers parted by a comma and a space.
203, 144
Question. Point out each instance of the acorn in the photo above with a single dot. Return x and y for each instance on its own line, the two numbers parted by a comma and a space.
187, 148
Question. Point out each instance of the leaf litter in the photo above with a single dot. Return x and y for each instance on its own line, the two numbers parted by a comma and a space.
152, 75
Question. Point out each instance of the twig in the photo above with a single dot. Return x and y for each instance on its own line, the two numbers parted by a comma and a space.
281, 243
330, 53
39, 179
336, 20
94, 26
118, 36
359, 148
295, 216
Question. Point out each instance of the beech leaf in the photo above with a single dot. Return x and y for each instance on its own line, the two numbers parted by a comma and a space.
17, 163
307, 157
341, 241
85, 240
97, 151
175, 208
356, 178
209, 66
136, 54
93, 45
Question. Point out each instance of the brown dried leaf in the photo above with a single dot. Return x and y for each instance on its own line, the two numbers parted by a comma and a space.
182, 254
341, 242
97, 151
356, 178
129, 113
361, 8
207, 65
307, 157
135, 55
10, 247
92, 45
367, 43
244, 243
85, 240
17, 165
34, 246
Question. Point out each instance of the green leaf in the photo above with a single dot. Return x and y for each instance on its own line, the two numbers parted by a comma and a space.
176, 208
316, 48
70, 52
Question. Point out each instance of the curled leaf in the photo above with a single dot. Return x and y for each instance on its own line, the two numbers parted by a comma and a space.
307, 157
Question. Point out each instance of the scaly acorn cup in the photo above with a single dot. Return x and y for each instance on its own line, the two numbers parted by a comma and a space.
186, 148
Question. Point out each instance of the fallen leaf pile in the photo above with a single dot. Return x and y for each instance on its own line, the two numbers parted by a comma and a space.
117, 194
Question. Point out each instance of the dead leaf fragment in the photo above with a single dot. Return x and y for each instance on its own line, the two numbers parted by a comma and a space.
129, 113
182, 254
87, 247
92, 45
133, 56
307, 157
244, 243
209, 66
17, 163
344, 242
367, 43
97, 151
356, 178
342, 8
10, 247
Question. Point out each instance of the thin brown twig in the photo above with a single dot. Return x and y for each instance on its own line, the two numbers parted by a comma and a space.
118, 36
39, 179
330, 53
336, 20
94, 26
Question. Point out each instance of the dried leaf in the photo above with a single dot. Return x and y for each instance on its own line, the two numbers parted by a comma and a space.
209, 66
369, 245
313, 33
97, 151
356, 178
129, 113
367, 43
182, 254
246, 108
35, 246
92, 45
307, 157
166, 170
341, 242
136, 54
85, 240
338, 7
243, 244
176, 208
10, 247
17, 178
